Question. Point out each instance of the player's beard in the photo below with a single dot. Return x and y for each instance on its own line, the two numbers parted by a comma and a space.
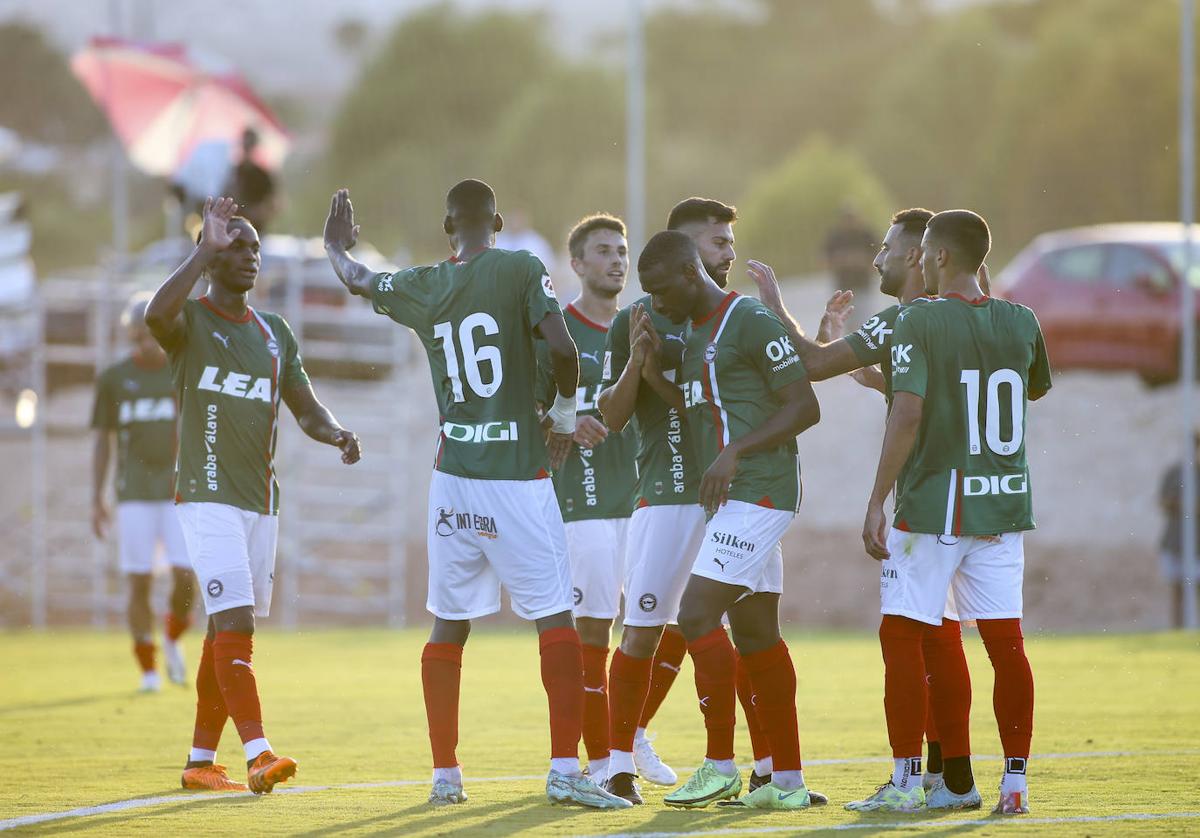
719, 273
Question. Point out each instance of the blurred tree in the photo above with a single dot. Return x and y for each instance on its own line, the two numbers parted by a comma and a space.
788, 209
47, 104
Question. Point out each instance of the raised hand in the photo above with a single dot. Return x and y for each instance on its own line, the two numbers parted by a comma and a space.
216, 234
837, 312
340, 230
653, 343
768, 286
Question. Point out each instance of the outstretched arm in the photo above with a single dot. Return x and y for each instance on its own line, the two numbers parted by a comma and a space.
821, 361
164, 313
318, 422
341, 234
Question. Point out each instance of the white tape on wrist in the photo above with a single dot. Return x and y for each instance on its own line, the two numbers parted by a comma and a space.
562, 414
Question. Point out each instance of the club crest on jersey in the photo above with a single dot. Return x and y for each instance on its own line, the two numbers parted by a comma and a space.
385, 284
548, 287
235, 384
710, 353
273, 347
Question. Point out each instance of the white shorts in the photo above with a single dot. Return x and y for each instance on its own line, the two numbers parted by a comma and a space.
142, 525
597, 551
663, 541
488, 533
741, 547
233, 553
984, 573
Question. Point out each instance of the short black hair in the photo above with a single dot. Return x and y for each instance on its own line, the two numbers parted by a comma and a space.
471, 198
587, 225
232, 219
965, 234
669, 246
700, 209
913, 221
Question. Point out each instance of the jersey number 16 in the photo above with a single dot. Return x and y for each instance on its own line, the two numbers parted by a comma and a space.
472, 356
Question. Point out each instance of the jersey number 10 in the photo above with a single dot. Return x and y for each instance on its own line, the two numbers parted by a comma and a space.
472, 356
991, 428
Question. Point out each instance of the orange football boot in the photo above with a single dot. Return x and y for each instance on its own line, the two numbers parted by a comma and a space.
209, 778
267, 770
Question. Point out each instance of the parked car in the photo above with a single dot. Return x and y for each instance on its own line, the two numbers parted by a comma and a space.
1107, 296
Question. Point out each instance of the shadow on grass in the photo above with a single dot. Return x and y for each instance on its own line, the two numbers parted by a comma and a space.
78, 701
90, 822
501, 818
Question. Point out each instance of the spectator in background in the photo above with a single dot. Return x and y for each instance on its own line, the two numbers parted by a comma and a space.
850, 248
1170, 498
518, 235
252, 186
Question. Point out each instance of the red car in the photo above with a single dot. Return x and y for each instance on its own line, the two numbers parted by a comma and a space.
1107, 296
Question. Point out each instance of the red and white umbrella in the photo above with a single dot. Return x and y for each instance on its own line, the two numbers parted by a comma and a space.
162, 102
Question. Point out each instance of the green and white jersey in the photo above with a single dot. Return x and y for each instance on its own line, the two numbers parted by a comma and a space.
230, 375
668, 473
737, 359
476, 318
976, 364
138, 404
872, 343
597, 482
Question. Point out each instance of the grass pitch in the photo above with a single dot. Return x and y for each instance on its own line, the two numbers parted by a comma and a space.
1120, 714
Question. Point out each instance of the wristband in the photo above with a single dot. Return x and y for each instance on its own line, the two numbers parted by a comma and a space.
562, 414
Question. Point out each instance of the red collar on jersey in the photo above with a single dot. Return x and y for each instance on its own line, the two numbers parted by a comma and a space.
467, 256
582, 318
245, 318
716, 311
978, 301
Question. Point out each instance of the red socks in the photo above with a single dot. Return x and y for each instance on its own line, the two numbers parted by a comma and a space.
760, 743
562, 676
176, 627
1012, 696
210, 704
716, 672
667, 660
774, 682
144, 652
232, 652
628, 680
595, 701
441, 675
949, 691
904, 690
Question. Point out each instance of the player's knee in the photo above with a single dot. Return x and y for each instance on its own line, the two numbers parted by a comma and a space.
237, 620
752, 639
640, 641
594, 632
139, 588
1000, 630
696, 619
450, 631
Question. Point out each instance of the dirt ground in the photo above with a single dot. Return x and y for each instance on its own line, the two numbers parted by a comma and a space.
1098, 445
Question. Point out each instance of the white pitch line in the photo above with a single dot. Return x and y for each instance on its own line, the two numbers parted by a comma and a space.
910, 824
164, 800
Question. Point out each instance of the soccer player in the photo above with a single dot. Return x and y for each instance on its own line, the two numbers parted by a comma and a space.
948, 782
595, 485
135, 403
964, 367
747, 397
232, 365
493, 516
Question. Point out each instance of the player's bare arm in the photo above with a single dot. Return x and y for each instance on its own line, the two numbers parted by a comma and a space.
833, 328
564, 364
652, 372
341, 234
903, 422
101, 454
164, 313
798, 411
822, 361
618, 401
318, 422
